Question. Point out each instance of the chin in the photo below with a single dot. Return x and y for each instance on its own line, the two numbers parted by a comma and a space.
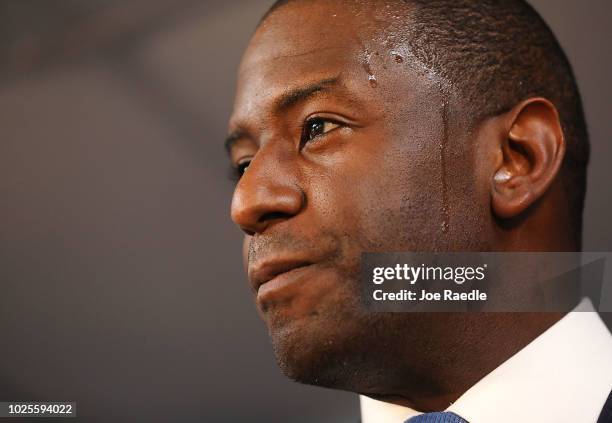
310, 356
328, 349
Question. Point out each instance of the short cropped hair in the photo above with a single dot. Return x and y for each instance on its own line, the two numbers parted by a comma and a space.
499, 53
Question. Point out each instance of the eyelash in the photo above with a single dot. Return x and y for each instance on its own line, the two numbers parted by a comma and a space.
317, 119
237, 171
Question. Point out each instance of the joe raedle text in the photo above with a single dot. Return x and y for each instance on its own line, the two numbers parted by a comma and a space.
428, 277
446, 295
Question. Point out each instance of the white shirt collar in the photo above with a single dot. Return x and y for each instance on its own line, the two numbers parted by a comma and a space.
564, 375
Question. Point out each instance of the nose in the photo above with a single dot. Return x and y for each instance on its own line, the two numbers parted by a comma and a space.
265, 194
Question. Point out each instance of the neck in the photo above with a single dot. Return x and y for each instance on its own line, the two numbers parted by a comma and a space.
496, 338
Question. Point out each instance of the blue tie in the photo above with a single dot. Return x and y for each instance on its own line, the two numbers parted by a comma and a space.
444, 417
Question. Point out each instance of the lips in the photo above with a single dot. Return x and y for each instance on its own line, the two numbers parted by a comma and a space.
264, 272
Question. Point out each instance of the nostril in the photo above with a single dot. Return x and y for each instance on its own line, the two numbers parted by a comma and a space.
267, 217
256, 206
247, 231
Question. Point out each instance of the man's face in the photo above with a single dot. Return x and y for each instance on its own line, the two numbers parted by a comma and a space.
351, 150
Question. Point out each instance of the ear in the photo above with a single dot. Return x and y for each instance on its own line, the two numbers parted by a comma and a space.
531, 151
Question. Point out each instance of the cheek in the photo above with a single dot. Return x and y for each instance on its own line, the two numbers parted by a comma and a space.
396, 210
380, 199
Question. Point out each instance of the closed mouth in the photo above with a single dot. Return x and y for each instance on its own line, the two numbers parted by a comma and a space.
264, 273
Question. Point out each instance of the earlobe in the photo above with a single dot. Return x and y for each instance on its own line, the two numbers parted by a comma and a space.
531, 152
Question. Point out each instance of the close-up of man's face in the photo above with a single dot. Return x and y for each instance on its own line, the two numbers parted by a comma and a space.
350, 149
345, 142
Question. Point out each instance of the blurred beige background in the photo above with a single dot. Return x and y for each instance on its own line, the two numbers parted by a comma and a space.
121, 280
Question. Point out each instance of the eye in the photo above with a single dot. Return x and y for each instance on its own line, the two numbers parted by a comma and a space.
237, 171
242, 167
317, 127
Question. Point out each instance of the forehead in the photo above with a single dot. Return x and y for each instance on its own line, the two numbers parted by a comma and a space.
301, 27
306, 41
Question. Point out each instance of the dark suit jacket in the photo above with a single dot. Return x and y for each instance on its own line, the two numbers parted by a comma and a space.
606, 413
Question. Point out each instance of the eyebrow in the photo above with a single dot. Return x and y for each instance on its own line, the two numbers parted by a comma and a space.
297, 95
284, 102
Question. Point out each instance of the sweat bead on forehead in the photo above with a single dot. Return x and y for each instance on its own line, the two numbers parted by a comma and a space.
355, 40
